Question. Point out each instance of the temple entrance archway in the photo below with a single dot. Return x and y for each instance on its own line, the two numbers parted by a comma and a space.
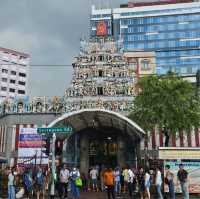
100, 137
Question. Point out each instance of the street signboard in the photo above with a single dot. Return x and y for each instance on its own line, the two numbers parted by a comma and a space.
29, 148
67, 129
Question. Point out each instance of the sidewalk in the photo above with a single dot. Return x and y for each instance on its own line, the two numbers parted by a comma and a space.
100, 195
91, 195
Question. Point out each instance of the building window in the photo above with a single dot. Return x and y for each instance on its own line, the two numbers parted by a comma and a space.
133, 65
21, 92
13, 72
4, 71
100, 90
4, 79
100, 58
12, 90
145, 65
12, 81
100, 73
4, 88
22, 74
21, 83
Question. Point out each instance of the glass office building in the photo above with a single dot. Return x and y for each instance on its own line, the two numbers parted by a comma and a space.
171, 30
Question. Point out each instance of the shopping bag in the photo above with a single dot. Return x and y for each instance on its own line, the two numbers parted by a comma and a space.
78, 182
20, 193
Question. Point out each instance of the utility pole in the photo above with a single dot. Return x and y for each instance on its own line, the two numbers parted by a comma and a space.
53, 166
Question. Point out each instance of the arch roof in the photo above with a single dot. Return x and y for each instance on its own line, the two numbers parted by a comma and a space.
88, 118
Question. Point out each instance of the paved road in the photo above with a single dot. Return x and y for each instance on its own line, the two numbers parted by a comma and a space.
94, 195
103, 196
91, 195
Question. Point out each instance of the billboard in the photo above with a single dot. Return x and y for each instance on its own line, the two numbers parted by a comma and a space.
193, 169
101, 29
30, 147
179, 153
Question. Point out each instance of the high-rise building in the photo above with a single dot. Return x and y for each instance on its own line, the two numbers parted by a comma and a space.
14, 67
170, 28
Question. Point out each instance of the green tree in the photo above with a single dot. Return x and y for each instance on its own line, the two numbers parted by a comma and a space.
166, 101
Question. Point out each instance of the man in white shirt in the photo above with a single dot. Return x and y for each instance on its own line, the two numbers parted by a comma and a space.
130, 182
64, 179
93, 177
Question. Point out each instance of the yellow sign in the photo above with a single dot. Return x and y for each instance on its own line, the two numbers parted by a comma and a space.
171, 153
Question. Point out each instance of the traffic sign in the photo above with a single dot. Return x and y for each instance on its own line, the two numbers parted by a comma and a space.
67, 129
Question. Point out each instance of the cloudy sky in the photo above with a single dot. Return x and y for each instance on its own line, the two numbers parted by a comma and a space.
50, 31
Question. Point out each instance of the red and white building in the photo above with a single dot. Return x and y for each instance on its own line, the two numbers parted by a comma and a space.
14, 73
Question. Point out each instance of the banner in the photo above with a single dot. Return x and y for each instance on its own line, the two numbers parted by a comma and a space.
193, 169
179, 153
30, 147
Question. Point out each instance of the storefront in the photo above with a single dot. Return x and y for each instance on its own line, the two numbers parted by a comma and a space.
190, 158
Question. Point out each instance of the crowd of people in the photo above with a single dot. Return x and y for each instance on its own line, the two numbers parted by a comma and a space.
36, 183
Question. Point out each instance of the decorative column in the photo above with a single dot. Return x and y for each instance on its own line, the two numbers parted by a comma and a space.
84, 153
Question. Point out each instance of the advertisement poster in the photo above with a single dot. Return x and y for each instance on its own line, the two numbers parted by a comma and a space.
193, 169
30, 148
101, 28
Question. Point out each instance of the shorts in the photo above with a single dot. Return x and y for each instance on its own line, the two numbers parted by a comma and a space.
94, 181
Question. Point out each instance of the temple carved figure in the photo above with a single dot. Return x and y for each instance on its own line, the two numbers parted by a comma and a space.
101, 78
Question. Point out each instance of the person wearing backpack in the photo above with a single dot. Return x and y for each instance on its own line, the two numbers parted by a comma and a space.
182, 176
28, 183
75, 178
39, 182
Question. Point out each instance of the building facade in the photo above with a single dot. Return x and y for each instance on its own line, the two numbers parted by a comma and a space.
104, 77
14, 72
102, 90
170, 28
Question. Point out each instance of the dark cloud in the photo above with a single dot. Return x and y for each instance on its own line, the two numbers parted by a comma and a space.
50, 31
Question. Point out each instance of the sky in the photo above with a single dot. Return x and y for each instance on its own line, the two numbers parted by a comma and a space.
50, 31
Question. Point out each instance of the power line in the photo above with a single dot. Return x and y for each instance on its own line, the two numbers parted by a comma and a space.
61, 65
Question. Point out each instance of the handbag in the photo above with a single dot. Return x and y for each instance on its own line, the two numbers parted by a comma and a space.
78, 182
